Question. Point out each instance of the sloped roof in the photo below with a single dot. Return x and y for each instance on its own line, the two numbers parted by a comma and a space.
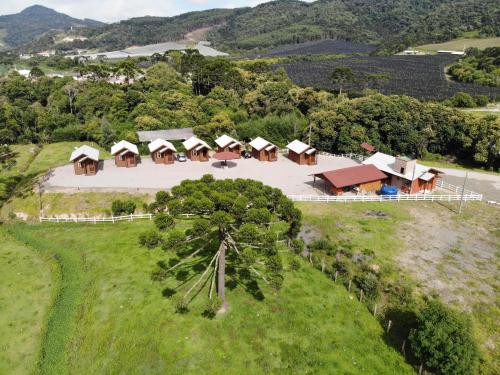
192, 142
386, 163
169, 134
85, 150
368, 147
297, 146
160, 144
259, 143
225, 140
359, 174
124, 145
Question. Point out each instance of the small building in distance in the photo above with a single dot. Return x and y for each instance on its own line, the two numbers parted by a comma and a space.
85, 160
264, 150
162, 152
227, 143
181, 134
405, 173
126, 154
196, 149
368, 147
362, 179
302, 153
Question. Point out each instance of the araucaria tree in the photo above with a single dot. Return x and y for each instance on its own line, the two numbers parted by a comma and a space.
235, 234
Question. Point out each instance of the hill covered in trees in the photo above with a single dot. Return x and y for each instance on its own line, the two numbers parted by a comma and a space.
480, 67
392, 23
33, 22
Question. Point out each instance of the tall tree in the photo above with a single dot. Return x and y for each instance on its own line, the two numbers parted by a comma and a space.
342, 75
237, 224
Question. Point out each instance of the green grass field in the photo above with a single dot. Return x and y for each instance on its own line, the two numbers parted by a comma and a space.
111, 318
460, 43
25, 297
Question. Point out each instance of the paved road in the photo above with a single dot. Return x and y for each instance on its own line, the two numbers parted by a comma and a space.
484, 183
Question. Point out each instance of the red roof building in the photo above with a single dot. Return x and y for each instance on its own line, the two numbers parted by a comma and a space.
360, 178
368, 147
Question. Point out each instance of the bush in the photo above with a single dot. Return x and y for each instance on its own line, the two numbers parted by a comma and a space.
294, 265
174, 239
164, 221
297, 245
150, 239
463, 100
368, 282
119, 207
162, 197
443, 341
181, 305
213, 306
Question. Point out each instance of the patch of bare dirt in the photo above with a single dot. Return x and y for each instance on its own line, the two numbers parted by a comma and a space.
451, 258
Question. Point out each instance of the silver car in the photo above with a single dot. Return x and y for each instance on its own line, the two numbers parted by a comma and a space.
181, 157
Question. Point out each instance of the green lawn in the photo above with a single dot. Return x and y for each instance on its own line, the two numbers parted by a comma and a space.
25, 298
111, 318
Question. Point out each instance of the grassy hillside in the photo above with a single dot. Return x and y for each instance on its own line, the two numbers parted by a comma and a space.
459, 44
25, 297
111, 318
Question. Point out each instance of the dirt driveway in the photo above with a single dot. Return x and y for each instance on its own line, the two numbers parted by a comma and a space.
291, 178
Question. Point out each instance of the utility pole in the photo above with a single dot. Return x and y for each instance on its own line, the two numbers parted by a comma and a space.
310, 129
463, 192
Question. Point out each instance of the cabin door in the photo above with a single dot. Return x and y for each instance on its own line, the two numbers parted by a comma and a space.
89, 168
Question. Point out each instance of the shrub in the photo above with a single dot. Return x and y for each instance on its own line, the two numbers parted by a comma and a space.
149, 239
369, 283
162, 197
297, 245
212, 307
463, 100
294, 265
174, 239
164, 221
119, 207
174, 207
443, 340
181, 305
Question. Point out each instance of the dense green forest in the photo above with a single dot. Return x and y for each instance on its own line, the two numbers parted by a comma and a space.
394, 24
480, 67
246, 99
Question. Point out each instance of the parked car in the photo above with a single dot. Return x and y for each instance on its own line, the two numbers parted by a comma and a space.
246, 154
181, 157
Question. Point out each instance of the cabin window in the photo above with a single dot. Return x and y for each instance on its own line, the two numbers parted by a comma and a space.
402, 170
122, 157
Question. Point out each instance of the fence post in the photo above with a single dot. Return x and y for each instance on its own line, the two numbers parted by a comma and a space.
95, 221
389, 325
375, 310
130, 217
113, 219
361, 296
150, 216
349, 288
336, 274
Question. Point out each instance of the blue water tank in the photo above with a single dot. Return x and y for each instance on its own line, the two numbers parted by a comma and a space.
389, 190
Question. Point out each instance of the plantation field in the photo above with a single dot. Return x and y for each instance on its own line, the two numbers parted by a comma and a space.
111, 318
459, 44
419, 76
322, 47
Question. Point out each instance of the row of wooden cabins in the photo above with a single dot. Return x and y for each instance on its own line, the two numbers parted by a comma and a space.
126, 154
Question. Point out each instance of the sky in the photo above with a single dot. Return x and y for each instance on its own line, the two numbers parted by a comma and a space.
116, 10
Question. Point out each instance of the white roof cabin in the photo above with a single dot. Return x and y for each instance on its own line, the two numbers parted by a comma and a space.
161, 145
225, 141
260, 143
193, 142
299, 147
124, 146
386, 163
87, 151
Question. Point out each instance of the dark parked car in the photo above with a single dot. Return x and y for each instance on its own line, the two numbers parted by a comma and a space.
181, 157
246, 154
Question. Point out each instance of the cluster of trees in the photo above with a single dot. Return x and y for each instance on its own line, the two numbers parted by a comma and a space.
237, 224
480, 67
244, 99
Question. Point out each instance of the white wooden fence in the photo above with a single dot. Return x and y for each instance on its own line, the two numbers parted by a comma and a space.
78, 219
384, 198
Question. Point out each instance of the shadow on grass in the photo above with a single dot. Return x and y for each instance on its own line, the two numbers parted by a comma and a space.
403, 321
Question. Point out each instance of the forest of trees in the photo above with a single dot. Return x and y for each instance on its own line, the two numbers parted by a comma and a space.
245, 99
480, 67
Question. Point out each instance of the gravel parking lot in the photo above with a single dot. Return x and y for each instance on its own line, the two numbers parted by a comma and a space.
290, 177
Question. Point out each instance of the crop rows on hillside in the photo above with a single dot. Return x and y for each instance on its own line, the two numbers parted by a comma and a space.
422, 77
322, 47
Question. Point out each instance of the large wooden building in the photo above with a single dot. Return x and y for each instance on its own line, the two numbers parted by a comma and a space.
85, 160
196, 149
301, 153
362, 179
227, 143
126, 154
162, 151
405, 173
264, 150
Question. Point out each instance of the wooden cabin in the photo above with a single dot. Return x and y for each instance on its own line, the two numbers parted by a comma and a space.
301, 153
85, 160
196, 149
162, 151
227, 143
361, 179
263, 150
126, 154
